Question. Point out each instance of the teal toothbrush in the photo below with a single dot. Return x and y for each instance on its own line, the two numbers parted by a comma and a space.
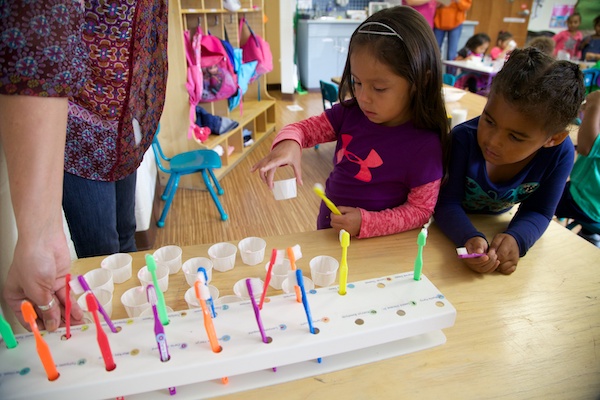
160, 305
7, 333
421, 240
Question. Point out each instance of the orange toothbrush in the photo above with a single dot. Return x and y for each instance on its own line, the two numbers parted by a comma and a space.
41, 346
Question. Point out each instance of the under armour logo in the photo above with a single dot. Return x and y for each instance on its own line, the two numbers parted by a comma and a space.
372, 161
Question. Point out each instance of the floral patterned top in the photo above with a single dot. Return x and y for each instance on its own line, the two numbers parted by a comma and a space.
108, 57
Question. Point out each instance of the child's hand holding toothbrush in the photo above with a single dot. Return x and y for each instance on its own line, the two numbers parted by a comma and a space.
484, 264
287, 152
350, 220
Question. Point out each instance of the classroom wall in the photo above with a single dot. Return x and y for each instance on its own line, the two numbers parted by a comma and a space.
542, 15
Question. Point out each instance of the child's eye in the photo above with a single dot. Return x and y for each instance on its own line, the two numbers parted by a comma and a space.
515, 138
380, 89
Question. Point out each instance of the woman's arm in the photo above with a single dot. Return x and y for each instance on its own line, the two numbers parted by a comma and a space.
33, 131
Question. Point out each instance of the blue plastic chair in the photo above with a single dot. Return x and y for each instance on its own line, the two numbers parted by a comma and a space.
329, 96
590, 76
594, 228
449, 79
189, 162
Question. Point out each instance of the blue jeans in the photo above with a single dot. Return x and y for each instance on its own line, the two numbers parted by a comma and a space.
100, 215
452, 45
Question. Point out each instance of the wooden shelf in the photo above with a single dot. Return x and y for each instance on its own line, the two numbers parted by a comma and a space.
258, 107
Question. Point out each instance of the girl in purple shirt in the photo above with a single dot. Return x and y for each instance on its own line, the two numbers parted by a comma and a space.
391, 133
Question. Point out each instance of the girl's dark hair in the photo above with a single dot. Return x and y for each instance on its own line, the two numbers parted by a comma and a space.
415, 56
596, 21
540, 87
477, 40
504, 35
575, 14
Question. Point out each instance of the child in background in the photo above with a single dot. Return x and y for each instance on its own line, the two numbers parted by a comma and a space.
474, 50
475, 47
544, 44
580, 199
391, 133
590, 45
504, 45
570, 39
517, 151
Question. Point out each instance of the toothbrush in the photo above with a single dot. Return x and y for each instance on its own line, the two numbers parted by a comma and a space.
300, 282
276, 256
201, 294
345, 242
162, 308
159, 331
92, 305
7, 333
203, 278
463, 253
319, 190
261, 329
79, 286
421, 240
68, 306
41, 346
292, 257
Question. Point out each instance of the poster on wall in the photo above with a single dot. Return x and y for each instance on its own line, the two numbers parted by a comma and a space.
559, 16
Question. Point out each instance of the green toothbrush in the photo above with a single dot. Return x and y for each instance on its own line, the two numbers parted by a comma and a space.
421, 240
7, 333
160, 304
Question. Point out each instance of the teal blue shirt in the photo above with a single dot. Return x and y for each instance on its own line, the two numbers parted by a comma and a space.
585, 181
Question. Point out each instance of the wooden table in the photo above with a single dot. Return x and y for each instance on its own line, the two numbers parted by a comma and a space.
533, 334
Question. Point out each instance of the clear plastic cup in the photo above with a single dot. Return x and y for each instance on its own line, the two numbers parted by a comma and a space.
241, 290
279, 273
288, 287
190, 269
135, 301
223, 256
100, 278
252, 250
120, 266
192, 301
285, 189
104, 298
162, 276
230, 298
169, 256
323, 270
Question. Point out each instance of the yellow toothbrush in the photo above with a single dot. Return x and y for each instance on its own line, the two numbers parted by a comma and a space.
345, 242
318, 189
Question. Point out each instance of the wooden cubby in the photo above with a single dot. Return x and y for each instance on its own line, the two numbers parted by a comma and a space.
257, 112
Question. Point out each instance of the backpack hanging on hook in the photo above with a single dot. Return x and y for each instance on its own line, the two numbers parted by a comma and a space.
255, 49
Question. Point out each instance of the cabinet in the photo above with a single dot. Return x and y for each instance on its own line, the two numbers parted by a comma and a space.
258, 107
323, 49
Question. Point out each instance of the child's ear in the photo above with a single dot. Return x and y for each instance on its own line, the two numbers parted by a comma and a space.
556, 139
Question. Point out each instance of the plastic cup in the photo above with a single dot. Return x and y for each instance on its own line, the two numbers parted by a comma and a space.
222, 256
169, 256
100, 278
285, 189
459, 115
192, 301
289, 288
135, 301
323, 270
149, 313
279, 273
227, 300
241, 290
120, 266
104, 298
162, 276
190, 269
252, 250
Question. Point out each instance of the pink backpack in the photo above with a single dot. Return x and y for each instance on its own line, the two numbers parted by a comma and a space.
219, 79
256, 49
